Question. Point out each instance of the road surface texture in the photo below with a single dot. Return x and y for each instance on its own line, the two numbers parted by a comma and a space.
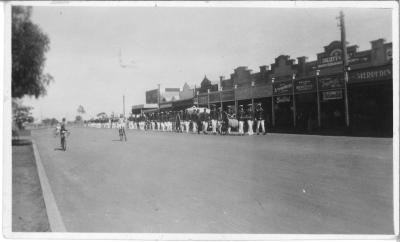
188, 183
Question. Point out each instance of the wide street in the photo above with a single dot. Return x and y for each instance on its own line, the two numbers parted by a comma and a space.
187, 183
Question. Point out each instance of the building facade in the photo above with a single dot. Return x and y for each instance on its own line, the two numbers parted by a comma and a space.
309, 96
301, 96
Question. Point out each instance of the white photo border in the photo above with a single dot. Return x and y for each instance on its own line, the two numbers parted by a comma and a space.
5, 69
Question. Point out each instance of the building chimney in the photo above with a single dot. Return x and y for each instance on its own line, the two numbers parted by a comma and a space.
375, 44
378, 55
301, 61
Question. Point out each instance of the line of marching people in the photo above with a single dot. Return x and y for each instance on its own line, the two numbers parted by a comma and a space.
203, 120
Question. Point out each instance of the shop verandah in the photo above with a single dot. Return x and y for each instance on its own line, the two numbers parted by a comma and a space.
316, 104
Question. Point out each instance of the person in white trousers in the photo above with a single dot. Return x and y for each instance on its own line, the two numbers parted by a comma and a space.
240, 117
260, 119
250, 119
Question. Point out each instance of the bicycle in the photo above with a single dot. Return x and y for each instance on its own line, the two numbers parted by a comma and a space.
122, 133
63, 135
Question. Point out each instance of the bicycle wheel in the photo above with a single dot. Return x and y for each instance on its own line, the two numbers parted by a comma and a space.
124, 134
64, 144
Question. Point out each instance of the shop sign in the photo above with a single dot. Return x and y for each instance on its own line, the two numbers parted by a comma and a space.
371, 74
283, 99
330, 82
305, 85
284, 87
334, 58
331, 95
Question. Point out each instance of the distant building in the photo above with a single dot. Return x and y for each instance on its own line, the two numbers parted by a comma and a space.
187, 92
206, 86
170, 94
152, 96
166, 95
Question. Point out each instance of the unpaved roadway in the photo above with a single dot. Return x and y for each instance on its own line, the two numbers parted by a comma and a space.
187, 183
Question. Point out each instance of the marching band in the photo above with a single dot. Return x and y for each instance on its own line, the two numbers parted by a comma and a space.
200, 120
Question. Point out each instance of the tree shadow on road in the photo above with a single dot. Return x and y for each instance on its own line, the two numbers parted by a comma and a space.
21, 142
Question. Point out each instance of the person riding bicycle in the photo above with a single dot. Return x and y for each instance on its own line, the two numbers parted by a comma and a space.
121, 127
62, 126
63, 131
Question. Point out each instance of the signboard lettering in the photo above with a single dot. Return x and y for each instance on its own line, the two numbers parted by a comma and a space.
330, 82
284, 87
371, 74
306, 85
331, 95
283, 99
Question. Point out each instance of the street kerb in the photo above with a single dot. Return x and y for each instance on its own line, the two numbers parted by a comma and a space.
53, 213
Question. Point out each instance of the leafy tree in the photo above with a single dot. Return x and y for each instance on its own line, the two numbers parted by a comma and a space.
78, 118
49, 121
53, 121
81, 110
29, 45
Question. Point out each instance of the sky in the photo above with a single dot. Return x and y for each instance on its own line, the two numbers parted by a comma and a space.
171, 46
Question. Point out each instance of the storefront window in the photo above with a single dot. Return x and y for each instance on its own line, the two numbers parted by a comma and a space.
306, 112
332, 109
283, 109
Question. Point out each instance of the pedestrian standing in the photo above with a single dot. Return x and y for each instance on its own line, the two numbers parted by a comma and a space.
250, 119
241, 118
260, 119
205, 119
178, 122
219, 120
213, 117
198, 120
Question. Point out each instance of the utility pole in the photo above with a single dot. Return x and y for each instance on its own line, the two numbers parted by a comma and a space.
123, 104
345, 66
158, 96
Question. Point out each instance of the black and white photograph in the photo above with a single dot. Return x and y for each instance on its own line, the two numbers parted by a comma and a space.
201, 120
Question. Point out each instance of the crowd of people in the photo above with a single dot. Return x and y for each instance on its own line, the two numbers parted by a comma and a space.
246, 121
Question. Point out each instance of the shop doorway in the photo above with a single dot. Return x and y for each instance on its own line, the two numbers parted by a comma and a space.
283, 110
333, 111
371, 109
306, 112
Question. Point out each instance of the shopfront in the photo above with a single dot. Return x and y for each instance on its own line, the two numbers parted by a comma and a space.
371, 101
332, 103
306, 105
283, 105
